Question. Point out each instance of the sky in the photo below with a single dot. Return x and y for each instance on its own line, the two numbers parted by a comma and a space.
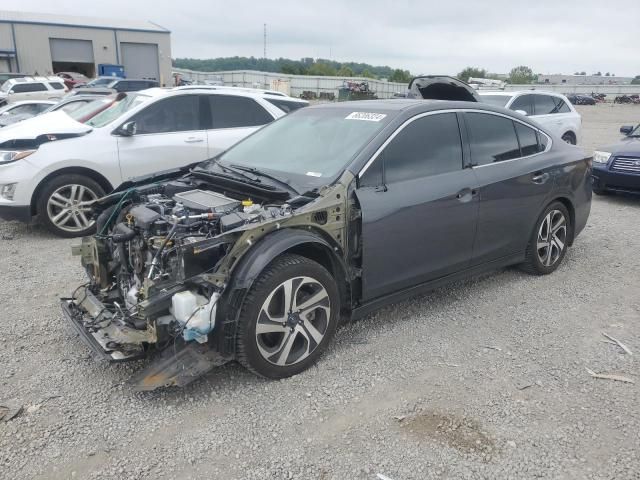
424, 37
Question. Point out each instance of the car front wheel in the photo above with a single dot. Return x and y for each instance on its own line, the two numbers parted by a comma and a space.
288, 317
549, 241
62, 205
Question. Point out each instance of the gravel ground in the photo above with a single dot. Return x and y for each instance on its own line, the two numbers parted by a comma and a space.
483, 379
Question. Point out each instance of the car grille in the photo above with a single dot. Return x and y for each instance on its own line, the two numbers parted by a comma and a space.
626, 164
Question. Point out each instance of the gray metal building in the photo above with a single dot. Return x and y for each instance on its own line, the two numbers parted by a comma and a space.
559, 79
34, 43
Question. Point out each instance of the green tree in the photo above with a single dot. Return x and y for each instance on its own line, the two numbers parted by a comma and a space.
400, 76
367, 74
469, 72
290, 69
345, 71
521, 75
322, 69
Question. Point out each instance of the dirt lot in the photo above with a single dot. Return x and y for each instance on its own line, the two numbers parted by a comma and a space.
484, 379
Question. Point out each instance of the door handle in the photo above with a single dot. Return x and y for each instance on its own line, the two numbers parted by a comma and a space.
194, 140
465, 194
540, 177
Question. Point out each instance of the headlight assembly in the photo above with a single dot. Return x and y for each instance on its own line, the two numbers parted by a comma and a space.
8, 156
601, 157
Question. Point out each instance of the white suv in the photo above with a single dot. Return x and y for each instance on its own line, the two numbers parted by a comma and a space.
551, 110
32, 88
52, 165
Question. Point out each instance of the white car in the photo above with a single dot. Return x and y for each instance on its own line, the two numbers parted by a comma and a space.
32, 88
551, 110
51, 165
24, 109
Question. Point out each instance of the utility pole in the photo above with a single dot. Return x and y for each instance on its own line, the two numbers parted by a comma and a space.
265, 42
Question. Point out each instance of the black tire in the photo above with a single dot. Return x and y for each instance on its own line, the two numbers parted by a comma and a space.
79, 222
570, 138
536, 262
258, 354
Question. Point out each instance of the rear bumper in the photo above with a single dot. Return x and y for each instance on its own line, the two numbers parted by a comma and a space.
607, 180
22, 213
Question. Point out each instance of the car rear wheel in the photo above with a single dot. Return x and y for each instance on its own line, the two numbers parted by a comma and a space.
569, 137
62, 205
288, 317
549, 242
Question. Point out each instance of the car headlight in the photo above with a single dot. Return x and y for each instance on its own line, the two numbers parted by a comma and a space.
601, 157
8, 156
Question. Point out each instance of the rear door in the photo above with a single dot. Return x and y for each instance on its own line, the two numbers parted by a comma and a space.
169, 133
515, 181
230, 119
419, 207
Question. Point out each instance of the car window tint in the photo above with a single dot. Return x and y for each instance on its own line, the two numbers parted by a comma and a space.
176, 114
523, 103
528, 139
28, 87
492, 138
232, 112
286, 105
427, 146
544, 105
56, 85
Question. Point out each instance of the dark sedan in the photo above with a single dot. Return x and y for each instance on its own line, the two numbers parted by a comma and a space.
616, 168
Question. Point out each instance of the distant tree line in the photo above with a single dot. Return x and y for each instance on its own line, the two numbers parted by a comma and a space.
518, 75
304, 66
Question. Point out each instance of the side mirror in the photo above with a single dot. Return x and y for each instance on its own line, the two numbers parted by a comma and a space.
11, 91
127, 130
521, 112
626, 129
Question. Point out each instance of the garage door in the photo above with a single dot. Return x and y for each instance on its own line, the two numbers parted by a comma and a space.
72, 51
140, 60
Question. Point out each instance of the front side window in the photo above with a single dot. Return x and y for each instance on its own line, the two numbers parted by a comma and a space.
544, 105
427, 146
28, 87
233, 112
492, 138
524, 103
175, 114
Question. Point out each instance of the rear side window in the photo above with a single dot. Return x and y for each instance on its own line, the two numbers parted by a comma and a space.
286, 105
427, 146
56, 86
492, 138
528, 139
234, 112
544, 105
28, 87
175, 114
523, 103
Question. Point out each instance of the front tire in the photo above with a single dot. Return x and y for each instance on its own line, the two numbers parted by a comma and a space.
549, 241
288, 318
61, 205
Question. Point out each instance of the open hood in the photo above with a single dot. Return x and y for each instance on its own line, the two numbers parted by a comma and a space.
441, 87
52, 123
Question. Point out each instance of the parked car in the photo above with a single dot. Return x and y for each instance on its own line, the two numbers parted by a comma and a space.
99, 82
551, 110
53, 157
4, 76
579, 99
616, 167
32, 88
18, 111
73, 79
119, 85
330, 212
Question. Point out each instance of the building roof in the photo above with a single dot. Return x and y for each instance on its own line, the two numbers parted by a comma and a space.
7, 16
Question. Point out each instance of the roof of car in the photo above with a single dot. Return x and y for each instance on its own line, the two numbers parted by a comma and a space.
28, 79
29, 102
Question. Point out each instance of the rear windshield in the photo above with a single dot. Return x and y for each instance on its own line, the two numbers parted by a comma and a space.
495, 100
286, 105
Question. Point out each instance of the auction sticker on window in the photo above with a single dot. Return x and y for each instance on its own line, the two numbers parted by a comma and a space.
366, 116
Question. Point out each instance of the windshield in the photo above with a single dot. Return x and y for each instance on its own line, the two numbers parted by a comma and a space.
116, 110
495, 100
87, 110
314, 143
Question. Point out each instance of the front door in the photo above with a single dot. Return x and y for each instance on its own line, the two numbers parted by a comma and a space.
514, 182
419, 207
169, 134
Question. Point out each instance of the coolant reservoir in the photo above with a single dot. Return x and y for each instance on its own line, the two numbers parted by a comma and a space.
184, 304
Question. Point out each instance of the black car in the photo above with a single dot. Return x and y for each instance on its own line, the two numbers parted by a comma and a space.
328, 213
616, 168
119, 85
579, 99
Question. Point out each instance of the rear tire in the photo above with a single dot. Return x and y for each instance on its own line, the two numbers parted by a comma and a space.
288, 317
549, 241
60, 205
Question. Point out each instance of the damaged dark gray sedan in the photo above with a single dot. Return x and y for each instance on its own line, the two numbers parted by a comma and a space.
326, 214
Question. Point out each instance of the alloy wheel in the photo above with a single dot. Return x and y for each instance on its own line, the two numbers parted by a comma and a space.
293, 321
552, 238
68, 208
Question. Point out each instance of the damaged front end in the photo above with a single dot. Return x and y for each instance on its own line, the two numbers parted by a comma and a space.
158, 269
